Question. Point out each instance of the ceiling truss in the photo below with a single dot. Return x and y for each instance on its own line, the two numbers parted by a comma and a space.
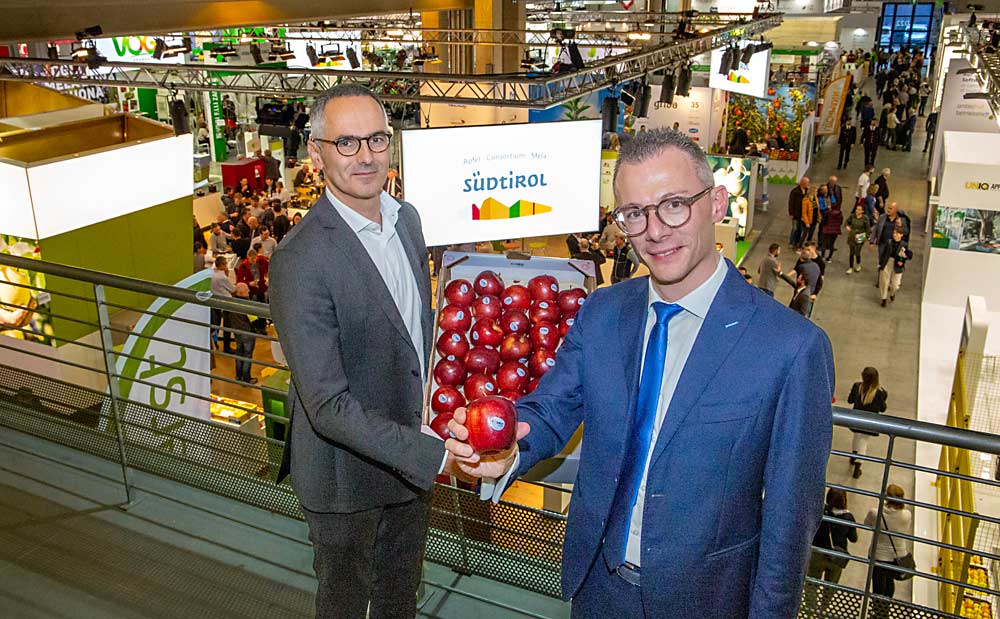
518, 91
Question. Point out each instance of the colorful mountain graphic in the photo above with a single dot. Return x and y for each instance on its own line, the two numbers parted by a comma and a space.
738, 78
494, 209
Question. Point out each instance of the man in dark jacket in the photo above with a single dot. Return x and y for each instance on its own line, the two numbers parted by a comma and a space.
882, 197
835, 191
869, 139
795, 197
848, 137
931, 127
596, 257
740, 140
892, 257
626, 263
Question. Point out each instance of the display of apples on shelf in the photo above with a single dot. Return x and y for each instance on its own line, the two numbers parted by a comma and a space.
514, 321
482, 360
544, 311
544, 335
479, 386
486, 333
540, 362
446, 399
570, 300
488, 283
453, 344
492, 424
513, 396
543, 288
515, 347
487, 307
455, 318
449, 371
460, 292
564, 326
440, 425
512, 376
516, 297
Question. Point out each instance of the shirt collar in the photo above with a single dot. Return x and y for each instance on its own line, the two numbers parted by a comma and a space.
358, 222
699, 300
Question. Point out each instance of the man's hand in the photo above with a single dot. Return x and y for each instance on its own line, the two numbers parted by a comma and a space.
465, 460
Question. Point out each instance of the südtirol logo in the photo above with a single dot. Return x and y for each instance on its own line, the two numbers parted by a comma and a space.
491, 208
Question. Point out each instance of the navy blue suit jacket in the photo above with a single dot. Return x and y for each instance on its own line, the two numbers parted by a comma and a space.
734, 491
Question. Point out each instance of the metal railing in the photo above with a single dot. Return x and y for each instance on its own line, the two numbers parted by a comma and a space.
76, 391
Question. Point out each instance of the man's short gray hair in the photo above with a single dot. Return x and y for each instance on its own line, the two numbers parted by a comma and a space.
649, 144
346, 89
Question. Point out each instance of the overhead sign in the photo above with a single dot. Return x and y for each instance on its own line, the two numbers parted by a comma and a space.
133, 49
745, 78
503, 181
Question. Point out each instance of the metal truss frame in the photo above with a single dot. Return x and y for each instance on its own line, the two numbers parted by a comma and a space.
987, 66
517, 91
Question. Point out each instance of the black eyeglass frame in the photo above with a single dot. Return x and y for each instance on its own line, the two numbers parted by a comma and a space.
357, 140
687, 201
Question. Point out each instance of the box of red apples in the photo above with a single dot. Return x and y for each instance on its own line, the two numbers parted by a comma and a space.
499, 323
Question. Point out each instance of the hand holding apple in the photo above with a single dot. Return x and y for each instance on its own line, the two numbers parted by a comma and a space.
465, 458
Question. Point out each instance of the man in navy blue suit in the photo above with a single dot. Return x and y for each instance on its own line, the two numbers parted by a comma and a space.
705, 436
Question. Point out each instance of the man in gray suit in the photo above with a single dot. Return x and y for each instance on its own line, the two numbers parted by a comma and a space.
350, 298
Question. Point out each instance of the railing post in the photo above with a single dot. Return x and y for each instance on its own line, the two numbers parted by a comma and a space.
107, 347
866, 600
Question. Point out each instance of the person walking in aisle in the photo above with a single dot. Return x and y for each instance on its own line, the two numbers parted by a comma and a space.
870, 142
221, 287
858, 227
882, 182
891, 127
866, 395
864, 180
810, 214
830, 536
931, 127
895, 519
925, 93
892, 259
795, 199
246, 339
847, 138
830, 230
769, 270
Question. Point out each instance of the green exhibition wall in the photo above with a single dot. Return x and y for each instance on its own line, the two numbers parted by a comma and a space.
153, 244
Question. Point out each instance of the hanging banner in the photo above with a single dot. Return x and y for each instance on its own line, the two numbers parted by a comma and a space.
168, 368
833, 106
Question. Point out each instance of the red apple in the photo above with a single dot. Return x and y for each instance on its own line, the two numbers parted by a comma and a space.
455, 318
440, 425
512, 376
514, 321
543, 288
515, 347
488, 283
479, 386
564, 326
486, 333
540, 362
482, 360
513, 396
453, 344
516, 297
543, 311
532, 385
544, 335
487, 307
449, 372
446, 399
460, 292
492, 424
571, 300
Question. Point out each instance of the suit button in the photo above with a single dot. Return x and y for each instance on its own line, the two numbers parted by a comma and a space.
415, 373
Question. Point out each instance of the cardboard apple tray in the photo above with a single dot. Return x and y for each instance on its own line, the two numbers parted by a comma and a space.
513, 268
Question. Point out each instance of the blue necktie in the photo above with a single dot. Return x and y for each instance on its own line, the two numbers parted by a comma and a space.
641, 437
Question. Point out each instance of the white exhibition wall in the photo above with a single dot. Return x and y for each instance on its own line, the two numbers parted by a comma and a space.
463, 179
47, 199
748, 79
693, 113
959, 113
970, 177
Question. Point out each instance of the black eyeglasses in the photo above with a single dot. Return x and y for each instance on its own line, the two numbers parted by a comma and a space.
673, 212
349, 145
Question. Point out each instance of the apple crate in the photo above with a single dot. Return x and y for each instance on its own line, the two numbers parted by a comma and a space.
513, 268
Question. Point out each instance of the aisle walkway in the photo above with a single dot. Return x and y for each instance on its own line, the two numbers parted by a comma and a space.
862, 332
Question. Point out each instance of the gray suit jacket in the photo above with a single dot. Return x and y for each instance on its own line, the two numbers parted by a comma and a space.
356, 394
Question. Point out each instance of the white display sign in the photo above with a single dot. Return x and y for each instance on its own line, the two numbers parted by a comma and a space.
693, 114
503, 182
747, 79
971, 175
958, 113
135, 49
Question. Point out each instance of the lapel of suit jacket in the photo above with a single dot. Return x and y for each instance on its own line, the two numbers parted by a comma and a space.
632, 328
414, 253
723, 327
350, 247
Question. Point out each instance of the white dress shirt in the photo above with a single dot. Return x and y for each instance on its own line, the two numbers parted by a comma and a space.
386, 250
682, 331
